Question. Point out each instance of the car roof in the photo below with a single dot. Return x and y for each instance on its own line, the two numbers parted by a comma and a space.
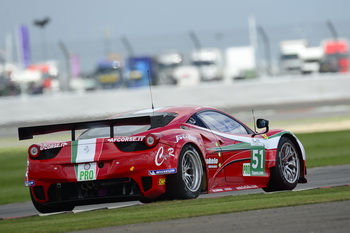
182, 112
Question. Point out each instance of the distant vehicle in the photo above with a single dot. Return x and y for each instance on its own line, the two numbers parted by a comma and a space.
49, 76
140, 71
311, 58
209, 63
166, 63
7, 87
290, 56
156, 154
240, 63
109, 72
30, 81
187, 75
336, 56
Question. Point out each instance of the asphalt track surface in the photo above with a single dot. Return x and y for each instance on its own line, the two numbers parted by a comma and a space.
317, 218
317, 178
328, 217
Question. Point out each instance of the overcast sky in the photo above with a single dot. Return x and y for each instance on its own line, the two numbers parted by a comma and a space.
87, 19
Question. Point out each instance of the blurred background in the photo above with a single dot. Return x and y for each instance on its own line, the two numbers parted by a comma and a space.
74, 46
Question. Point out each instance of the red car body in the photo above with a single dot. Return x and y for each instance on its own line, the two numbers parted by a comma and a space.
137, 155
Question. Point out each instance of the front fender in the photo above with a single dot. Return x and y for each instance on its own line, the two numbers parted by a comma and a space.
273, 139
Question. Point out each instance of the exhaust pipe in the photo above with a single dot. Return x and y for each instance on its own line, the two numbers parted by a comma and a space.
87, 186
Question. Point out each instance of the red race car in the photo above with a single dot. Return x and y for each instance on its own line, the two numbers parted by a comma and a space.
164, 153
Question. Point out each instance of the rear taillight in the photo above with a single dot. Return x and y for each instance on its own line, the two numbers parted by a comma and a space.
34, 151
151, 140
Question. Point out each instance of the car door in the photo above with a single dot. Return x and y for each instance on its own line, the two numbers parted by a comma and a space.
213, 156
234, 141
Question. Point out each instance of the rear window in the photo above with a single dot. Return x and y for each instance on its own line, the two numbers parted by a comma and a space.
132, 124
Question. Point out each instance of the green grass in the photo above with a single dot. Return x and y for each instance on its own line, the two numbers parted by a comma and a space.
327, 148
13, 162
322, 149
170, 210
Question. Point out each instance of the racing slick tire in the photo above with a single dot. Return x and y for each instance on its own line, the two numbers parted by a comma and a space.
285, 175
50, 208
187, 182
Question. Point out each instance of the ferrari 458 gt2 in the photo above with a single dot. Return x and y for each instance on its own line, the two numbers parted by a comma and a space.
164, 153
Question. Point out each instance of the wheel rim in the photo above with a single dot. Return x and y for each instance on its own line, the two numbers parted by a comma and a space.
289, 163
191, 170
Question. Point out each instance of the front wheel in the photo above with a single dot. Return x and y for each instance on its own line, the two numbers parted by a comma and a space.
187, 182
285, 175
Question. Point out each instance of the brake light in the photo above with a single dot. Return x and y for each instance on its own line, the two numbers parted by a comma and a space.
34, 151
151, 140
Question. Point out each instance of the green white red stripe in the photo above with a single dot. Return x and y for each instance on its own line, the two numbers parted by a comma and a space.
85, 153
87, 150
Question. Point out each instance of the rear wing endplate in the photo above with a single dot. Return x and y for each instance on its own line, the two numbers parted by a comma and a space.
28, 132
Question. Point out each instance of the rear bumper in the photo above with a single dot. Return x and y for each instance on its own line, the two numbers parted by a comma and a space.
98, 191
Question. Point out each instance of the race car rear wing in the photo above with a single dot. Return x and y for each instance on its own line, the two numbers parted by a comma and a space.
155, 121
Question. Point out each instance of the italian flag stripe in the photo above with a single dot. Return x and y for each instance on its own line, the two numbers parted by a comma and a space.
98, 150
74, 151
87, 150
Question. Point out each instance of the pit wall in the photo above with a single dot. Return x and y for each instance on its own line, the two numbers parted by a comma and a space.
100, 104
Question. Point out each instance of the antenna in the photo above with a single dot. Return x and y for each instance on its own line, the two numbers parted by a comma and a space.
150, 89
254, 120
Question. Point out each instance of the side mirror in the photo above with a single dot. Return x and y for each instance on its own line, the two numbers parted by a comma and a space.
261, 123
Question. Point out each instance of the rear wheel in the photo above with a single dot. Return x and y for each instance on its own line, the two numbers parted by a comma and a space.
285, 175
187, 182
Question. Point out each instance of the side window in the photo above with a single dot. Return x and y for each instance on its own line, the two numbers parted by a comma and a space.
194, 120
221, 122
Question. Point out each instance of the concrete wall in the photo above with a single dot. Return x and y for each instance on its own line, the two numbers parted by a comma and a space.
100, 104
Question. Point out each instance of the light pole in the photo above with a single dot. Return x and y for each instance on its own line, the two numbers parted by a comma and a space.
332, 29
195, 40
266, 41
128, 46
41, 24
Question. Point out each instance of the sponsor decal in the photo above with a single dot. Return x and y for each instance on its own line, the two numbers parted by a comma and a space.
86, 150
161, 181
247, 187
162, 172
217, 190
85, 171
212, 162
160, 156
52, 146
29, 183
246, 169
185, 136
126, 139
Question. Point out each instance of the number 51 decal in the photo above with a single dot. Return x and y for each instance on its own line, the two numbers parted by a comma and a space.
257, 161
